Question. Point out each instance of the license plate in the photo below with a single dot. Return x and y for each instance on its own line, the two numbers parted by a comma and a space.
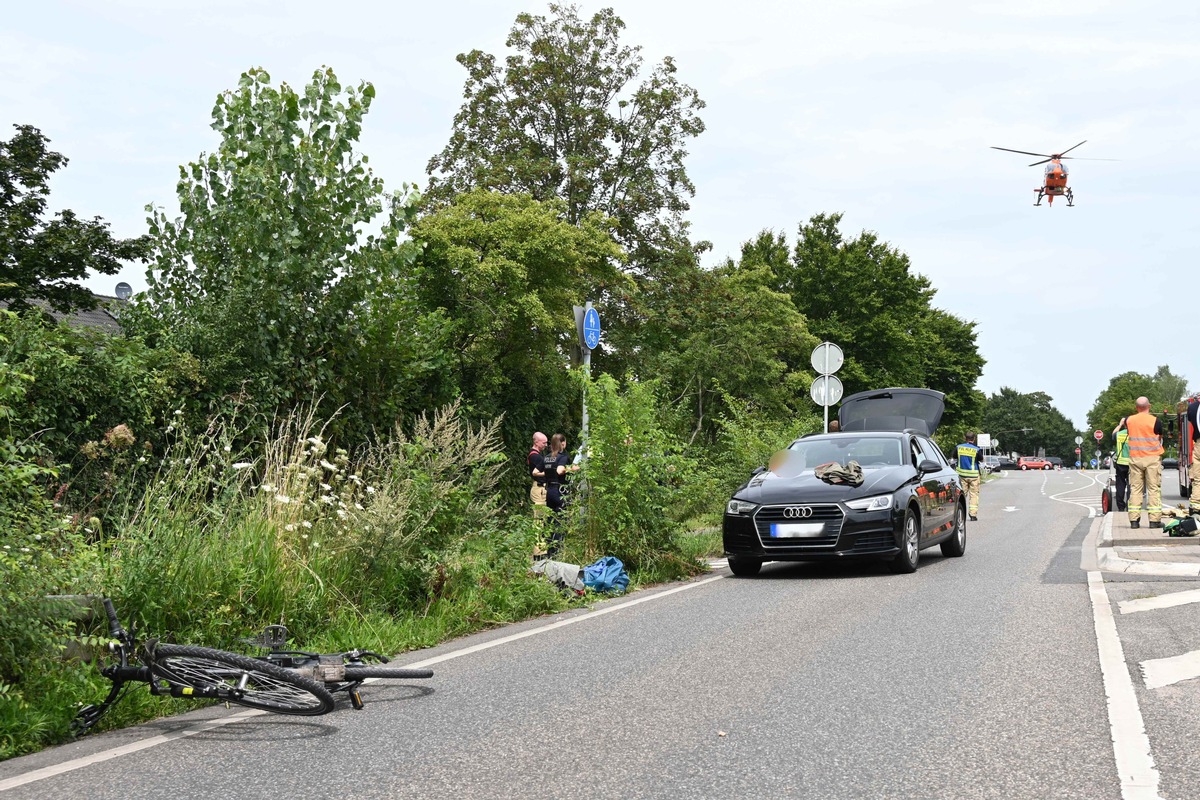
796, 530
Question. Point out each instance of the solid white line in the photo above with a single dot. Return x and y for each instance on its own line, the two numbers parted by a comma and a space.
560, 624
1160, 672
1161, 601
1131, 746
116, 752
124, 750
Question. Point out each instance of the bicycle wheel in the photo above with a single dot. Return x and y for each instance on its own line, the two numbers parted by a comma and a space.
267, 686
362, 673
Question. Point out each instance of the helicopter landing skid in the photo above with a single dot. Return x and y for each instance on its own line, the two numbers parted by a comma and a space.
1067, 193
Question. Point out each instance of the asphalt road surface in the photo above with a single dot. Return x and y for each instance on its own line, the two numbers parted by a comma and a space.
979, 677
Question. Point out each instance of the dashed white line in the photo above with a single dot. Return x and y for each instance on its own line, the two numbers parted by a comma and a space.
1159, 601
1160, 672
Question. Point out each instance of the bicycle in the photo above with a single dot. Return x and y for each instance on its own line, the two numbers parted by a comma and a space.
283, 682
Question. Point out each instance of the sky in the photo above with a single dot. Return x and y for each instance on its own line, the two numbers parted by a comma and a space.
883, 111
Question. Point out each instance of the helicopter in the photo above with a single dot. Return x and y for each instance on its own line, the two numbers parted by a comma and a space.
1055, 182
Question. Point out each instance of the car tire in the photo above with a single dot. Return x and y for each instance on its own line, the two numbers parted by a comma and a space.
956, 545
1048, 466
744, 567
910, 545
1023, 467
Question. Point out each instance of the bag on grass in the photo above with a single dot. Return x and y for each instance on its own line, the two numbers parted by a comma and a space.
561, 574
607, 574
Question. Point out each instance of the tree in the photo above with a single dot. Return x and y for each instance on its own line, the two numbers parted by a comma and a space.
562, 118
1163, 389
39, 259
505, 270
1010, 411
862, 295
268, 277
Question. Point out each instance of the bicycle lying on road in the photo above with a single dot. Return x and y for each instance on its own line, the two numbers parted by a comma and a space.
282, 681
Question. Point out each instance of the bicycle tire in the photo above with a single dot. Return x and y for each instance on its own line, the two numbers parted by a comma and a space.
362, 673
268, 687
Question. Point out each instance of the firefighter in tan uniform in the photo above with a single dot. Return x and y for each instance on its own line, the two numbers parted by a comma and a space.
1145, 465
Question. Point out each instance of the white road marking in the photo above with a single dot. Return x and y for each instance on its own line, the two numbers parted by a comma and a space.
124, 750
116, 752
1160, 672
1159, 601
1131, 746
1011, 508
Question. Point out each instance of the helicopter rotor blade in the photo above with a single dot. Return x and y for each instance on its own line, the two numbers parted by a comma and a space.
1022, 152
1081, 158
1043, 161
1069, 149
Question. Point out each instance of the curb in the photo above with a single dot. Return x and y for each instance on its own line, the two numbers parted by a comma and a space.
1107, 559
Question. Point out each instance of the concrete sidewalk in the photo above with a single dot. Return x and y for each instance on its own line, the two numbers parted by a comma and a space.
1144, 551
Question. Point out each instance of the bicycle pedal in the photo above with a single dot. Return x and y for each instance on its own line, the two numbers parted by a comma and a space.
356, 700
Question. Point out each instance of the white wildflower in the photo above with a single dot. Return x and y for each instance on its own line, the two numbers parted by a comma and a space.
37, 537
282, 498
267, 487
328, 466
242, 465
227, 448
316, 544
304, 536
370, 490
341, 513
328, 499
326, 487
306, 524
289, 527
179, 412
358, 506
355, 479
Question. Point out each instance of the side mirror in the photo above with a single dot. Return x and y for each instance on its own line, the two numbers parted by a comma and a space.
928, 465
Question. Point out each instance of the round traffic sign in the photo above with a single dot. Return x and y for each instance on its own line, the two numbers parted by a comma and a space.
1099, 435
826, 390
827, 358
1077, 451
1078, 440
591, 328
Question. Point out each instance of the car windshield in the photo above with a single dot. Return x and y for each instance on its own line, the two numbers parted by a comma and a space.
868, 451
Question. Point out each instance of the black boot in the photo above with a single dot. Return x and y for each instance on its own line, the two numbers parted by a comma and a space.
1137, 523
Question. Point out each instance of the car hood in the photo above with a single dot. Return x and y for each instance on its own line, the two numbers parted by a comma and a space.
893, 409
767, 488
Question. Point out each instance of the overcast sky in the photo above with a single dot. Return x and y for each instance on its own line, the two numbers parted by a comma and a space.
884, 111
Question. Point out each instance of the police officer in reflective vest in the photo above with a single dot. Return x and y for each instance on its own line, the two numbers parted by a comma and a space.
1145, 465
967, 466
1121, 464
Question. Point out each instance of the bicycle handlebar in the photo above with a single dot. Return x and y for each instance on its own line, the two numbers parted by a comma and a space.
114, 624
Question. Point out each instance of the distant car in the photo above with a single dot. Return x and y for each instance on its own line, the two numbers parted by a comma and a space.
910, 497
991, 463
1007, 463
1055, 460
1033, 462
1170, 463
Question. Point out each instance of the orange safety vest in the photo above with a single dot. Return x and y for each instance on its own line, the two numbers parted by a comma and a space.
1142, 440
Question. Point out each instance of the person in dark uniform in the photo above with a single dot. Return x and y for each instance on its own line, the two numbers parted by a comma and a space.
534, 464
557, 466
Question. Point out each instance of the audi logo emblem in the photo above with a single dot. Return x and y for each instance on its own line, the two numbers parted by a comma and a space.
797, 512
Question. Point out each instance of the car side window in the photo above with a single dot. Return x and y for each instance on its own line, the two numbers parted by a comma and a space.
938, 452
929, 451
914, 452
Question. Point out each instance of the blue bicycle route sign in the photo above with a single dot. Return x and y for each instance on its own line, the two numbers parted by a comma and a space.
591, 329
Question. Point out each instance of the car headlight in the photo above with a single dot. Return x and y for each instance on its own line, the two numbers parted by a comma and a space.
739, 507
876, 503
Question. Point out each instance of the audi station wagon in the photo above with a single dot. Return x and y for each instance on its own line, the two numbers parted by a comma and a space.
910, 497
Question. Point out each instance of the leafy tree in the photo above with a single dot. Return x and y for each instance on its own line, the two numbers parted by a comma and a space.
1163, 389
40, 259
861, 294
268, 276
563, 117
505, 270
712, 337
1009, 411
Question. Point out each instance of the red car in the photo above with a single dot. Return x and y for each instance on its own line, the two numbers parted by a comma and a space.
1033, 462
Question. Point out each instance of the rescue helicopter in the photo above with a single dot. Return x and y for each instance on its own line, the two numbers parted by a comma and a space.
1054, 184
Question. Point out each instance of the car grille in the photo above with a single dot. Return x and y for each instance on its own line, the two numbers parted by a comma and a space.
829, 513
878, 542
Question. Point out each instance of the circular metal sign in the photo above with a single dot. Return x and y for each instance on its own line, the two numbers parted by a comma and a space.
1078, 440
827, 359
826, 390
591, 329
1099, 435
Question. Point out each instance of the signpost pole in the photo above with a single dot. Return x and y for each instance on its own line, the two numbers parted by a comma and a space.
826, 372
587, 371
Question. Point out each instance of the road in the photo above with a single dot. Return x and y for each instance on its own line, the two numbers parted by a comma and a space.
977, 677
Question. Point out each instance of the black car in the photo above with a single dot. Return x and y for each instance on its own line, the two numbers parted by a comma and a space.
1006, 463
910, 497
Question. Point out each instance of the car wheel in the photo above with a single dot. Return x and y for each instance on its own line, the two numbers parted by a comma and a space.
956, 545
1048, 466
1023, 467
744, 567
910, 545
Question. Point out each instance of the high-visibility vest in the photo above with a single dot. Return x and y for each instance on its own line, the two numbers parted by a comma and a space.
1143, 442
968, 460
1123, 447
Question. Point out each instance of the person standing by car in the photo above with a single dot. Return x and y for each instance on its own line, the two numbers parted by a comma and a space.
967, 466
1145, 465
1193, 407
1121, 437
